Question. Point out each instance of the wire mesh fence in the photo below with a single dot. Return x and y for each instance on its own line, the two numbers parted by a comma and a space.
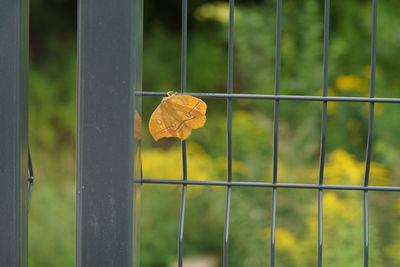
324, 99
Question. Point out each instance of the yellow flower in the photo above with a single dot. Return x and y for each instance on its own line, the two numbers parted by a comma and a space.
218, 11
379, 175
343, 168
335, 206
237, 166
283, 238
349, 82
167, 164
331, 105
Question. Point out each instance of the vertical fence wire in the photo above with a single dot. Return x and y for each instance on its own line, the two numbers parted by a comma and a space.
276, 127
370, 127
183, 145
323, 131
366, 238
229, 133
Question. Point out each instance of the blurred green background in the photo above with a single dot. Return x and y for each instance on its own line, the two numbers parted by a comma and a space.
53, 131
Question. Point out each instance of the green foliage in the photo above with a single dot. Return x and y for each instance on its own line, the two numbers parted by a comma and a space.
51, 235
53, 98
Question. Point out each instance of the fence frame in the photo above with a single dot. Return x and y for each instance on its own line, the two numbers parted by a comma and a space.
14, 62
107, 61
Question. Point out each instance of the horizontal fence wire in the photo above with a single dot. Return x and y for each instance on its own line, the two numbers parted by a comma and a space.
271, 185
281, 97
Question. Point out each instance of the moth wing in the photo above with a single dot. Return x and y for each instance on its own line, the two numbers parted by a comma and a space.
196, 122
189, 110
189, 104
183, 132
173, 118
157, 126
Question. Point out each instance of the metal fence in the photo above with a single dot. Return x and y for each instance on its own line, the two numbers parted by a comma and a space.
14, 28
277, 97
109, 91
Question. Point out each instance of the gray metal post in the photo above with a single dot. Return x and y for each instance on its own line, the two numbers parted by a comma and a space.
107, 61
14, 47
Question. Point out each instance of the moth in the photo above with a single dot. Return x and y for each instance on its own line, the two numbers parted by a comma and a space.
176, 116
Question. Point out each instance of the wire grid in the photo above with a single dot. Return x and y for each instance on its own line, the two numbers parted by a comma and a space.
277, 97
